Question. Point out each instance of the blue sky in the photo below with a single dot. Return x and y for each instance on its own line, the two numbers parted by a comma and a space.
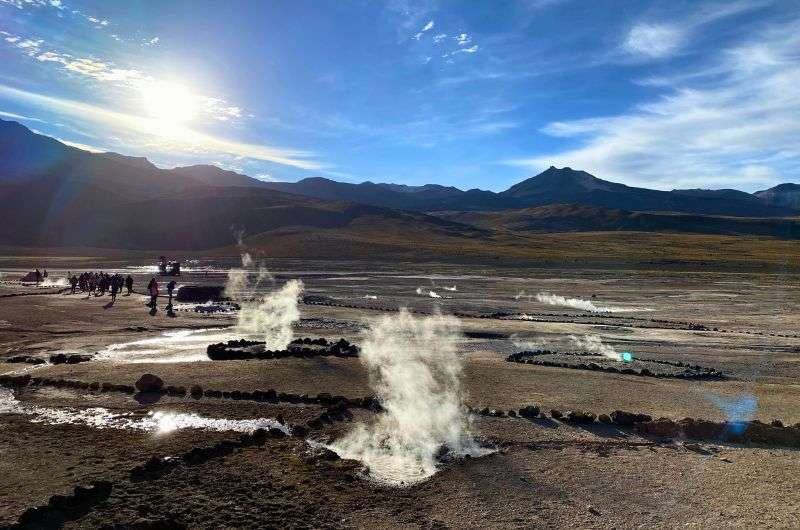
473, 94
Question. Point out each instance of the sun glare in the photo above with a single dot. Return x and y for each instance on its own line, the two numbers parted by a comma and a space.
170, 104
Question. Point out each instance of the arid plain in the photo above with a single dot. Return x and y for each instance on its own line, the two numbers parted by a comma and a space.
59, 430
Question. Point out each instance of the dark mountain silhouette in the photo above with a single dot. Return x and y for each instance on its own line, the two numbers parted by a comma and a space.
581, 218
54, 195
782, 195
553, 186
430, 197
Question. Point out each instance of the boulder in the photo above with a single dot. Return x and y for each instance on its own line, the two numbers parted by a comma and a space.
149, 383
531, 411
200, 293
626, 419
662, 428
605, 418
579, 416
556, 414
701, 429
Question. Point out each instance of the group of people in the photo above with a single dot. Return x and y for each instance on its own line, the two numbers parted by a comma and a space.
152, 290
100, 283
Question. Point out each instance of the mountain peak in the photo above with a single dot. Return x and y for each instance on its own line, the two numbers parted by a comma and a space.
563, 180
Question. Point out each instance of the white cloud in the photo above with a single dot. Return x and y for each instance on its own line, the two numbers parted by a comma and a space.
14, 116
84, 147
463, 39
654, 40
736, 127
471, 49
439, 38
156, 136
426, 27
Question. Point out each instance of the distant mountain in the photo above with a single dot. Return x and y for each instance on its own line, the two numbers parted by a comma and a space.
553, 186
557, 186
781, 195
430, 197
54, 195
581, 218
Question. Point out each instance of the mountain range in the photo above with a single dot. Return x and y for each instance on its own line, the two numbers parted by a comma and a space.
55, 195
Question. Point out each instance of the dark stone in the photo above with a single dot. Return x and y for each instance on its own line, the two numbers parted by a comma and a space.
579, 416
531, 411
149, 383
200, 294
662, 428
556, 414
626, 419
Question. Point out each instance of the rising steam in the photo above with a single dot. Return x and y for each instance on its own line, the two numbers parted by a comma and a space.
578, 303
272, 315
269, 315
415, 371
427, 292
593, 344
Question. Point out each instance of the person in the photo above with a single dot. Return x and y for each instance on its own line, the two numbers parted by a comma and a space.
152, 288
129, 284
73, 281
114, 289
37, 276
170, 288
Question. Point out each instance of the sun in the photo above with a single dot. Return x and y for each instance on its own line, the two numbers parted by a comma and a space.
169, 104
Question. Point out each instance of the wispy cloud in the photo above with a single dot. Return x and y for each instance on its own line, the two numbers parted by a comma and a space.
426, 27
654, 40
736, 127
660, 39
105, 71
154, 133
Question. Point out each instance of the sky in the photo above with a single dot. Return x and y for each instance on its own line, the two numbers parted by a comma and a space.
473, 94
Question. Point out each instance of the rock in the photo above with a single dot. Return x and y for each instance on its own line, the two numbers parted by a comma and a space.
700, 429
149, 383
196, 391
298, 431
605, 418
556, 414
626, 419
200, 294
76, 358
777, 423
58, 358
662, 428
579, 416
531, 411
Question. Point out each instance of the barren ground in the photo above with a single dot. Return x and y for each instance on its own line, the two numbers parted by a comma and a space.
545, 472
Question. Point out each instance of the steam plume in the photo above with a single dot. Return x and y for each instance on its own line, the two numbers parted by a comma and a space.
273, 315
427, 292
593, 344
578, 303
415, 370
269, 315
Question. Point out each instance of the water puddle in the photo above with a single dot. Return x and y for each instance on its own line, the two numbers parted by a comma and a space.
179, 346
159, 422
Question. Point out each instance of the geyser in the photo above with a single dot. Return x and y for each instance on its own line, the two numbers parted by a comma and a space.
271, 316
268, 315
415, 371
593, 344
578, 303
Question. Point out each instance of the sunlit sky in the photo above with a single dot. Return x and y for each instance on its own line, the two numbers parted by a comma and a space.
473, 94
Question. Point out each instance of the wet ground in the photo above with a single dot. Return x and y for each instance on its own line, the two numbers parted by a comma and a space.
544, 472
